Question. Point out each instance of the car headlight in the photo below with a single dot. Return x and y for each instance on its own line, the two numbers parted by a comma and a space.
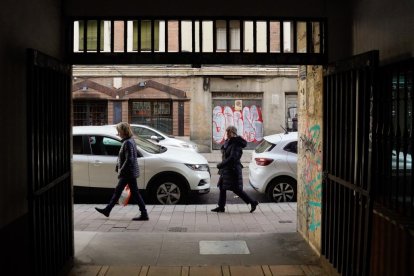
198, 167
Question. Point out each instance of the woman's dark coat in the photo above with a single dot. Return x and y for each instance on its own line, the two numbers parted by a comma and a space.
230, 169
127, 164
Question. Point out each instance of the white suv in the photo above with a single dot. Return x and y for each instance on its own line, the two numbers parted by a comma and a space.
167, 174
273, 168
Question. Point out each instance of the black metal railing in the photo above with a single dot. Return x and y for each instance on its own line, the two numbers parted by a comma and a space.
349, 86
393, 187
49, 167
197, 41
394, 139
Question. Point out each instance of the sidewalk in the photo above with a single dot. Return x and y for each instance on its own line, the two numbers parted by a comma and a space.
191, 240
268, 218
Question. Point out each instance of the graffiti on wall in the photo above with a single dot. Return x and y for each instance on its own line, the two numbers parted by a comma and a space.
312, 173
248, 121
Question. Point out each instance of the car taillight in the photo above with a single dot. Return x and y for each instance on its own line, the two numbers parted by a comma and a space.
263, 161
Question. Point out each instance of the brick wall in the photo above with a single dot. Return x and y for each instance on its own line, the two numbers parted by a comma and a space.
125, 111
187, 126
110, 112
274, 37
119, 36
175, 118
172, 36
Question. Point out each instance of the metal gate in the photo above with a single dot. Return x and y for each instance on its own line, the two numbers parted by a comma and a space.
349, 87
49, 167
393, 141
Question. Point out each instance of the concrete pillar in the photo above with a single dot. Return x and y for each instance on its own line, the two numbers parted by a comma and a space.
310, 99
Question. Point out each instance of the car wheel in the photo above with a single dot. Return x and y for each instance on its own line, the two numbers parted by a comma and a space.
282, 189
168, 192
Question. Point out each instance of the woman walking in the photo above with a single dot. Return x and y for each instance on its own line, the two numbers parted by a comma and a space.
230, 170
128, 172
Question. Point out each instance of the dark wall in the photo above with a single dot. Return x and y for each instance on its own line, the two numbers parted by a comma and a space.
375, 24
30, 24
195, 8
23, 24
387, 26
339, 30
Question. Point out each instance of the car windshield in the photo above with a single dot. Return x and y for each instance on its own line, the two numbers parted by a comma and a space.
264, 146
148, 146
164, 134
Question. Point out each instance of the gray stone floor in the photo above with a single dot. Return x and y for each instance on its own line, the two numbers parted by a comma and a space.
192, 240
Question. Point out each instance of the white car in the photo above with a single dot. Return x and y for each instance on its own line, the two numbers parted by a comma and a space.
273, 168
161, 138
167, 174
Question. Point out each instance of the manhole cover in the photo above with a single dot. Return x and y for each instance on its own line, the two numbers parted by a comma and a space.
177, 229
285, 221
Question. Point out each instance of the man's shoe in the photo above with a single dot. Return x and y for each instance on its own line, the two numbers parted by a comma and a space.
103, 211
254, 205
218, 210
141, 218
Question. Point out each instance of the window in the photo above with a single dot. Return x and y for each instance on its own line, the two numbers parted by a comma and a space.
91, 35
234, 33
146, 133
146, 35
90, 113
156, 114
101, 145
162, 108
221, 35
291, 103
77, 145
292, 147
264, 146
288, 37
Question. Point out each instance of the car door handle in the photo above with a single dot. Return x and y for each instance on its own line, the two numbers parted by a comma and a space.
97, 162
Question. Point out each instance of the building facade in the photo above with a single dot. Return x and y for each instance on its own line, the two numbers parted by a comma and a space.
178, 100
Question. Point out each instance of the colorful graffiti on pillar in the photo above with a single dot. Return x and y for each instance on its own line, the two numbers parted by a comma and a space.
248, 121
312, 174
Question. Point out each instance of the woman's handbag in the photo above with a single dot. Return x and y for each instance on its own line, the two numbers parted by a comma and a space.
125, 195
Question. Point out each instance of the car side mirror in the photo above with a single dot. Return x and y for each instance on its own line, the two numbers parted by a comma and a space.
153, 137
